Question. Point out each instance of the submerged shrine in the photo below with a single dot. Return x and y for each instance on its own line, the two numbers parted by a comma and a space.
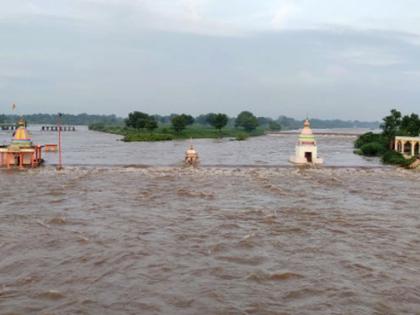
21, 152
191, 156
306, 148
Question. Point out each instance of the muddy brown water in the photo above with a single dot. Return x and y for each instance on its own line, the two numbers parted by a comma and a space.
215, 240
86, 147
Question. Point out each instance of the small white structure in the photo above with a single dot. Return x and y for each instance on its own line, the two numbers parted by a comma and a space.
306, 149
408, 146
191, 156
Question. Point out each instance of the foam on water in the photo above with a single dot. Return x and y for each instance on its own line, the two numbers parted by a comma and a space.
212, 240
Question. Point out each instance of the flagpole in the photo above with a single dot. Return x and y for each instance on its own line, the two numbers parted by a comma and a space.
60, 156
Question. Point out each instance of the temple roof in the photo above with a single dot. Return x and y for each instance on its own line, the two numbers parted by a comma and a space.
22, 136
306, 136
306, 128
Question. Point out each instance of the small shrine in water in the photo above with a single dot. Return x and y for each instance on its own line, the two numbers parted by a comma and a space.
21, 152
191, 156
306, 148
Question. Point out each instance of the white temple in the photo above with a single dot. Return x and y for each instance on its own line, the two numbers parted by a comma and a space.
306, 149
191, 156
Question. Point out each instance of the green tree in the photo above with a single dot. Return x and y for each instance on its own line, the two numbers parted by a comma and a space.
151, 124
202, 119
391, 124
139, 120
274, 126
189, 119
246, 120
410, 125
218, 121
180, 122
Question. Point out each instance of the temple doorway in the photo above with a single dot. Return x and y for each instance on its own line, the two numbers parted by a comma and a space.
308, 157
407, 148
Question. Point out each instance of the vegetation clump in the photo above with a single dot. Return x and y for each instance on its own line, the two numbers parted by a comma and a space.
382, 144
372, 149
218, 121
274, 126
180, 122
242, 136
247, 121
396, 158
139, 137
139, 120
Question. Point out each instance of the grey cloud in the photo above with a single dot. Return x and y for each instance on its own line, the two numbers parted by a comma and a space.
69, 65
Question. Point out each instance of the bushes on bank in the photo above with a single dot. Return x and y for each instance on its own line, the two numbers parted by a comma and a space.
371, 137
242, 136
147, 137
371, 144
396, 158
372, 149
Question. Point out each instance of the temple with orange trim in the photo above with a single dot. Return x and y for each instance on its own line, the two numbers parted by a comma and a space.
21, 152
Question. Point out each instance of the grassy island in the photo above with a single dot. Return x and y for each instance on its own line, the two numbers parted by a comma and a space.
167, 134
143, 127
382, 144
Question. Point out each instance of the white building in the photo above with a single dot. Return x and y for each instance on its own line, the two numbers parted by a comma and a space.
408, 146
306, 149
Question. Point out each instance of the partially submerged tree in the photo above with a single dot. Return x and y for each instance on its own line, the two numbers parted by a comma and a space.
139, 120
246, 120
151, 124
218, 121
391, 124
410, 125
397, 125
180, 122
202, 119
274, 126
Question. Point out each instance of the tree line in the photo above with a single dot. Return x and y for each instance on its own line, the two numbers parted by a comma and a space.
281, 122
139, 120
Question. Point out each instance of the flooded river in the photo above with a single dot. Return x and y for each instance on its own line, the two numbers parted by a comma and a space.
86, 147
109, 236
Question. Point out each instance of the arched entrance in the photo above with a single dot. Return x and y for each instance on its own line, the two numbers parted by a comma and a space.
407, 148
417, 149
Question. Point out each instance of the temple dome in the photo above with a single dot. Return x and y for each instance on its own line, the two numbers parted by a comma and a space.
306, 135
22, 136
306, 128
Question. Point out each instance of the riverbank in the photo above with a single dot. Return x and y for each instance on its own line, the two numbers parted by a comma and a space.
165, 133
377, 145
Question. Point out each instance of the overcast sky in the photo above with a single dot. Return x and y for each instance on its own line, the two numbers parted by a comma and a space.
322, 58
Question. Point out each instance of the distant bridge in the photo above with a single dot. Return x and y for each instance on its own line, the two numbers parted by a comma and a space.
55, 128
8, 127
